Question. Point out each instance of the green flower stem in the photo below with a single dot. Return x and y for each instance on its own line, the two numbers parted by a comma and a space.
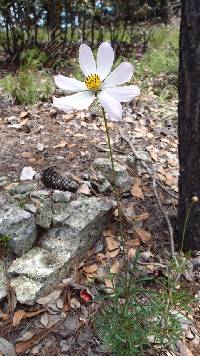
114, 175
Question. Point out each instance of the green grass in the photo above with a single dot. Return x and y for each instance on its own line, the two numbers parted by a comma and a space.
162, 53
29, 85
4, 241
143, 311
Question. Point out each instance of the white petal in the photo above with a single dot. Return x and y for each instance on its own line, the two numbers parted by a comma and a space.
120, 75
69, 84
125, 93
105, 58
111, 105
60, 104
78, 101
86, 60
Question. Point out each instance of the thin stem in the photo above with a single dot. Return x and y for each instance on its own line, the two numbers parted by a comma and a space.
185, 224
114, 175
128, 284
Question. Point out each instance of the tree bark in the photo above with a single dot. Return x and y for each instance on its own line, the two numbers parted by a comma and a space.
189, 124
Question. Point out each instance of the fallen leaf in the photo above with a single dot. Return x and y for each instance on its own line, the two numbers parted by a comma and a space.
101, 273
5, 317
33, 313
84, 189
85, 295
153, 155
111, 243
129, 212
18, 316
6, 348
23, 346
61, 144
60, 303
131, 252
67, 298
90, 277
26, 154
24, 114
50, 298
137, 192
113, 254
101, 258
109, 285
141, 217
132, 243
71, 322
27, 335
11, 186
188, 352
144, 235
90, 269
54, 319
109, 233
75, 304
115, 267
68, 117
44, 320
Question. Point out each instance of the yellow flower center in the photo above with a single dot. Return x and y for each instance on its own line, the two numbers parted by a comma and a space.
93, 82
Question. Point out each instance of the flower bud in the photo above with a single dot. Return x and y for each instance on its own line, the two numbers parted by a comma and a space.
195, 199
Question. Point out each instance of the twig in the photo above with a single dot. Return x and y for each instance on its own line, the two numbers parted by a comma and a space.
170, 229
165, 189
151, 172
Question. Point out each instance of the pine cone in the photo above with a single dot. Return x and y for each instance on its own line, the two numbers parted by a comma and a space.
52, 179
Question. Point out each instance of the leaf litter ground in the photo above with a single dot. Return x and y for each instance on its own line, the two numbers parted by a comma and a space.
60, 324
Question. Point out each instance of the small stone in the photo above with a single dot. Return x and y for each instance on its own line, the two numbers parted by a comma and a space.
123, 180
77, 226
40, 147
3, 281
11, 119
31, 208
196, 262
15, 188
19, 226
197, 296
60, 158
103, 184
37, 264
44, 214
131, 161
40, 195
60, 213
4, 199
189, 334
3, 181
27, 290
21, 199
61, 196
86, 176
33, 274
27, 173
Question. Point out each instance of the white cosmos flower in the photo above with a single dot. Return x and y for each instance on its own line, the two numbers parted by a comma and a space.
99, 82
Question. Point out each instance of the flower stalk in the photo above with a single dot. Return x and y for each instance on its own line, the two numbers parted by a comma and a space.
193, 201
114, 176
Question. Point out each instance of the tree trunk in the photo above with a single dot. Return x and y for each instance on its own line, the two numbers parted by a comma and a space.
189, 124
